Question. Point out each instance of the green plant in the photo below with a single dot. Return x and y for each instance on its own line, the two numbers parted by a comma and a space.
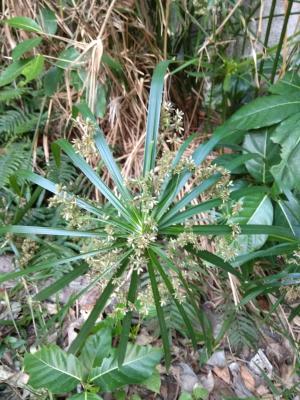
199, 393
95, 369
144, 229
270, 141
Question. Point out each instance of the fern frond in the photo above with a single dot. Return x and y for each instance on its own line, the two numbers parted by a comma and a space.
242, 331
65, 173
12, 158
14, 123
8, 94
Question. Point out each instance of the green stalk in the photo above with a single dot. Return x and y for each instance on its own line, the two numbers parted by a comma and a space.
266, 41
282, 35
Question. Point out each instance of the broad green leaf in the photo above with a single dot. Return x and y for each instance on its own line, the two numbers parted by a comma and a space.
96, 348
289, 84
25, 46
200, 393
138, 365
264, 111
25, 23
12, 72
33, 69
86, 396
287, 172
185, 396
256, 209
67, 58
53, 369
153, 383
48, 20
153, 118
260, 143
52, 80
287, 213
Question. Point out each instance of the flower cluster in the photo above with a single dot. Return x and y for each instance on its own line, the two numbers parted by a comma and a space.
85, 145
28, 250
68, 207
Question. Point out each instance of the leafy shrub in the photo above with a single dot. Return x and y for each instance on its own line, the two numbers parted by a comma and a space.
96, 368
143, 227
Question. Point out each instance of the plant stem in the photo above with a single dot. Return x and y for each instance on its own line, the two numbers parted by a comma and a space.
282, 36
266, 41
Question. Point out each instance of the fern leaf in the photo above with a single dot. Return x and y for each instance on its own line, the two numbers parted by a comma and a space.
8, 94
13, 157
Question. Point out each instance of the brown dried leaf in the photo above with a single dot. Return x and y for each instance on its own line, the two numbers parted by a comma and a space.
223, 373
248, 378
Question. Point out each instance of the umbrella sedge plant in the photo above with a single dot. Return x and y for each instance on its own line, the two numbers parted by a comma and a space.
144, 227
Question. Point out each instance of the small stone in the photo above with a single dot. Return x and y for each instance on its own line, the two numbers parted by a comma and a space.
187, 377
218, 359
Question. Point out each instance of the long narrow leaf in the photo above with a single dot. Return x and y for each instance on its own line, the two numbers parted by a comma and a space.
54, 263
80, 163
190, 197
104, 150
172, 292
202, 318
191, 211
214, 259
98, 308
127, 319
40, 230
160, 315
276, 232
153, 118
53, 188
175, 162
61, 283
